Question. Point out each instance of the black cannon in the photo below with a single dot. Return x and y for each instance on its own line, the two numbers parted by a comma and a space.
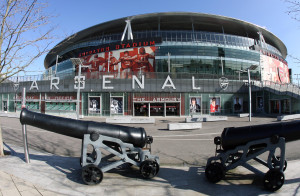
131, 145
238, 145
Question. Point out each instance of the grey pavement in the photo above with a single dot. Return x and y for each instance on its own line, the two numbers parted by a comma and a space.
56, 174
49, 174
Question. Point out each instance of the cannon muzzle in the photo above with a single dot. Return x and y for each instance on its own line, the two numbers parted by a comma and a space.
235, 136
77, 128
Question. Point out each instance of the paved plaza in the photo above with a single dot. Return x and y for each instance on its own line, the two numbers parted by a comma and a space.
54, 167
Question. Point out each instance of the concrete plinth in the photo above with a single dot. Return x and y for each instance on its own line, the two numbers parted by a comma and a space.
130, 120
181, 126
288, 117
205, 119
242, 115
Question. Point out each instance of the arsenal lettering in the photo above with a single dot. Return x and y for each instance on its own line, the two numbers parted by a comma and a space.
107, 83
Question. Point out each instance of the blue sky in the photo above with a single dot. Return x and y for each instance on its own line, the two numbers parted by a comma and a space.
74, 15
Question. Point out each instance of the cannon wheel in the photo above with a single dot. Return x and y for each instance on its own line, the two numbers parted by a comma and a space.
214, 172
278, 159
273, 180
149, 169
91, 174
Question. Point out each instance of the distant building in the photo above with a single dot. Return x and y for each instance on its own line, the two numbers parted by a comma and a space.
160, 64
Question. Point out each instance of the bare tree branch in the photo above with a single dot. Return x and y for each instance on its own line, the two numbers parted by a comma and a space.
293, 9
22, 38
294, 12
296, 60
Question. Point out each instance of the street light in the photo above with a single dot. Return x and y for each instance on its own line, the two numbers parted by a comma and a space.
57, 56
77, 61
222, 66
169, 62
252, 67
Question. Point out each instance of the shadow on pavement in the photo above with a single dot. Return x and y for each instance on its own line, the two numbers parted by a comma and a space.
179, 178
70, 166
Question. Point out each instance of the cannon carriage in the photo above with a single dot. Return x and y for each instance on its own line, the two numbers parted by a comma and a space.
238, 145
128, 144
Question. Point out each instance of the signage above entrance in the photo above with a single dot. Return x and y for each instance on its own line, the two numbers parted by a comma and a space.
120, 45
145, 97
156, 99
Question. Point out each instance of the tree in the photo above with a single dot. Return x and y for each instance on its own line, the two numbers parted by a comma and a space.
24, 37
294, 9
294, 12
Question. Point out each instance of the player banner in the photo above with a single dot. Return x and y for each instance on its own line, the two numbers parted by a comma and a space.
94, 105
120, 63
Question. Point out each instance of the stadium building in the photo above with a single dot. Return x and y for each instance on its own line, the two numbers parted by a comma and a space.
161, 64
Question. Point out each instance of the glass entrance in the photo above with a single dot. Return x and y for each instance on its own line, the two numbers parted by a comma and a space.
285, 106
141, 109
156, 109
5, 106
172, 109
274, 106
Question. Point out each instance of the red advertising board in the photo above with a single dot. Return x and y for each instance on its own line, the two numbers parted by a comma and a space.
275, 70
121, 63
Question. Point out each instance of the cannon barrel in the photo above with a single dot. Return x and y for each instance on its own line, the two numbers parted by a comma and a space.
235, 136
77, 128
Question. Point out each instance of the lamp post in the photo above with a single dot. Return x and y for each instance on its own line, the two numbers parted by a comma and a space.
169, 62
77, 61
57, 56
222, 66
250, 105
252, 67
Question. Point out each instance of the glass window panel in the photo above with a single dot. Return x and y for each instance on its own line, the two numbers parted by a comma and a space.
233, 41
221, 39
209, 37
174, 35
189, 36
204, 37
168, 36
228, 40
183, 36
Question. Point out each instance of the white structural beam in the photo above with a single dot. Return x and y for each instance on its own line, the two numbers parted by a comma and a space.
128, 30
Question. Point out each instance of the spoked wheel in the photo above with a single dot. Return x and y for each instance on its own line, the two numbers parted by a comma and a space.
273, 180
276, 163
214, 172
149, 169
91, 174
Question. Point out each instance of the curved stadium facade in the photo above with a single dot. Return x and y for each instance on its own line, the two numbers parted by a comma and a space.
162, 64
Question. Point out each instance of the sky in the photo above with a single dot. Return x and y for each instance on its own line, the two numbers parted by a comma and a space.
72, 16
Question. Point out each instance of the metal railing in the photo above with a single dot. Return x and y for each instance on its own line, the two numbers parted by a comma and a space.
279, 89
